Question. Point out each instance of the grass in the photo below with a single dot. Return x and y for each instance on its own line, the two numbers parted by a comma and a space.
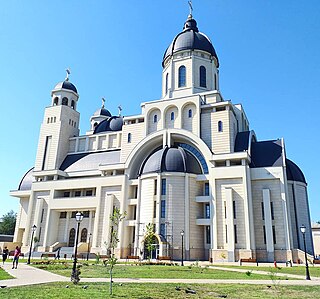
147, 271
297, 270
4, 275
161, 291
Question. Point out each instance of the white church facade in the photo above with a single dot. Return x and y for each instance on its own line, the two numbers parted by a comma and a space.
189, 162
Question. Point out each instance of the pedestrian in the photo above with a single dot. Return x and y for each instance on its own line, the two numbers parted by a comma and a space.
5, 253
16, 256
58, 254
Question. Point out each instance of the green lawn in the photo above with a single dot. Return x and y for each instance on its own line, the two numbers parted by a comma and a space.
298, 270
4, 275
147, 271
161, 291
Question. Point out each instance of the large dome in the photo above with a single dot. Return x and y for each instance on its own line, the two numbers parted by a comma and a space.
190, 39
112, 124
171, 159
66, 85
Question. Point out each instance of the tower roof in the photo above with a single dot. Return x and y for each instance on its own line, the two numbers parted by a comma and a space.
66, 85
190, 39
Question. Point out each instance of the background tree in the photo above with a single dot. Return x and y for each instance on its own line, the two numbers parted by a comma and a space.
8, 223
149, 240
115, 220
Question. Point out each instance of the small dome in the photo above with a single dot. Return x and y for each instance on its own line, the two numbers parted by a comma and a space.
294, 173
66, 85
171, 160
113, 124
190, 39
27, 180
102, 111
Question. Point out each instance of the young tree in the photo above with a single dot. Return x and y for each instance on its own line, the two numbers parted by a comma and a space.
115, 220
8, 223
149, 240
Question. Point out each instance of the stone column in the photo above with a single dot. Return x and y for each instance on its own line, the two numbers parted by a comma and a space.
230, 224
268, 224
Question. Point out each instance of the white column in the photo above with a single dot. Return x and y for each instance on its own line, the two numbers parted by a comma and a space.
136, 239
268, 224
47, 229
90, 225
96, 219
66, 229
28, 224
230, 224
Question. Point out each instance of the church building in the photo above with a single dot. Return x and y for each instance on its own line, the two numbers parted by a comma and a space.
189, 164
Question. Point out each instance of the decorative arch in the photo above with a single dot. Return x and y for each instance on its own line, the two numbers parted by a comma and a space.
153, 117
72, 237
189, 121
84, 235
170, 116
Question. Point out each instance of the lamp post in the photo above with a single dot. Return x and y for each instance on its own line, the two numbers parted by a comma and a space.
182, 247
33, 229
88, 251
303, 231
79, 217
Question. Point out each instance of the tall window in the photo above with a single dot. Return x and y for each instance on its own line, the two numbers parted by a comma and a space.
207, 211
155, 118
55, 101
262, 210
220, 126
182, 76
235, 234
206, 189
208, 235
84, 234
234, 210
190, 113
129, 137
64, 101
167, 79
272, 210
172, 116
264, 235
163, 208
203, 76
163, 187
73, 105
274, 234
215, 82
155, 187
154, 209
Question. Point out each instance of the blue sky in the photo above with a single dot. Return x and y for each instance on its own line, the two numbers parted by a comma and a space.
268, 52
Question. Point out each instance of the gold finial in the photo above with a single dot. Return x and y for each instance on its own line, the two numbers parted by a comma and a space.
68, 73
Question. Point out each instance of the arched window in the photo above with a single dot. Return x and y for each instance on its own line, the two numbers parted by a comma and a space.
129, 137
73, 104
190, 113
182, 76
172, 116
167, 79
55, 101
72, 236
203, 76
220, 126
84, 234
95, 124
155, 118
64, 101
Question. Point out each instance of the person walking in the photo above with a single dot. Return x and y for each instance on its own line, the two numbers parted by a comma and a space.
16, 256
5, 253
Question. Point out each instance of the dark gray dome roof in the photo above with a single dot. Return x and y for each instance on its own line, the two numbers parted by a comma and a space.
171, 160
190, 38
66, 85
294, 173
102, 111
113, 124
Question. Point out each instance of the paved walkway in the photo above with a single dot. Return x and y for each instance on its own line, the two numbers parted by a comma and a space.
27, 275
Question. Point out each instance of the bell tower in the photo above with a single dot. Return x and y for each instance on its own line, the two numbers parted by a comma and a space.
61, 121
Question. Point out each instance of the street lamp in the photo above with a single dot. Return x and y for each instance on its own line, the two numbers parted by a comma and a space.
33, 229
303, 231
88, 252
79, 217
182, 249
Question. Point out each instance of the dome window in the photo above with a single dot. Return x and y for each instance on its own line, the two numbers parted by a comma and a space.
190, 113
182, 76
203, 76
55, 101
129, 138
220, 126
64, 101
155, 118
167, 79
73, 104
172, 116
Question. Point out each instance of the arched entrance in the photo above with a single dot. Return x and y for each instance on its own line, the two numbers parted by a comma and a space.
84, 234
72, 236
